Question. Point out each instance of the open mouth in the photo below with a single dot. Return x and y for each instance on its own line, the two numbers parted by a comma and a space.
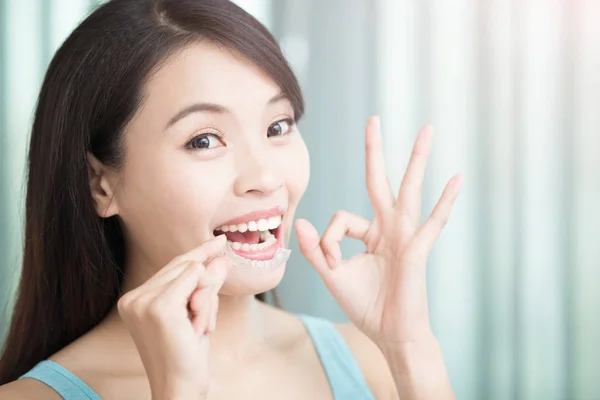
254, 240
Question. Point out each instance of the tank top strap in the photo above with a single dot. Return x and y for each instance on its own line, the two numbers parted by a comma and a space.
61, 380
345, 377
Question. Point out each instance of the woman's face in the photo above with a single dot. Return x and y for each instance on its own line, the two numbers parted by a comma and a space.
214, 140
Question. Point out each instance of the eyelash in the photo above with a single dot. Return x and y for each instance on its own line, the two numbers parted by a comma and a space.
216, 135
290, 121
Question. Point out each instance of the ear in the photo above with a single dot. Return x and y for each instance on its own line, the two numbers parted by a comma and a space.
103, 185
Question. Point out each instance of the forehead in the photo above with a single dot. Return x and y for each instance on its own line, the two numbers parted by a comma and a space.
205, 72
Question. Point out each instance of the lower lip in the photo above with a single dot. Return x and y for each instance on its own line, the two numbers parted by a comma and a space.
263, 254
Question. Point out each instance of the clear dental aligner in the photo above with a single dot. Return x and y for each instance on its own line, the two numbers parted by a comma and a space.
280, 258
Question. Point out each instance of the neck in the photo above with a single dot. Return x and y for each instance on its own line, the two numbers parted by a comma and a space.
240, 331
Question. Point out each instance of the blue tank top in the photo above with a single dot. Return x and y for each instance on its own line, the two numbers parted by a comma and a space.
343, 373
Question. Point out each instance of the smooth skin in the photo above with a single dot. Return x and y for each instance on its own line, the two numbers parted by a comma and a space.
186, 306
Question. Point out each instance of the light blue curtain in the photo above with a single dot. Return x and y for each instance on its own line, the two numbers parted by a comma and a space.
513, 89
4, 285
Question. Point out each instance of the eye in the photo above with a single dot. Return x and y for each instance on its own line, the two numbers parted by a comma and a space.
205, 141
280, 128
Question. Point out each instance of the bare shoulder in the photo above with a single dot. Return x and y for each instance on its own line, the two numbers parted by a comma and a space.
371, 361
27, 389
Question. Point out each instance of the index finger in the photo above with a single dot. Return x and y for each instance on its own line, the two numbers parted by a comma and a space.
206, 251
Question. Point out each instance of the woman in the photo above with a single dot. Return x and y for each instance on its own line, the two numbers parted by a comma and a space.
165, 167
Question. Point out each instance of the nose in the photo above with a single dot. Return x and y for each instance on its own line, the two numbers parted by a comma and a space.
258, 173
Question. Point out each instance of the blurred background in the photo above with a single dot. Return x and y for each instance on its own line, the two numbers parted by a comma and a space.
513, 89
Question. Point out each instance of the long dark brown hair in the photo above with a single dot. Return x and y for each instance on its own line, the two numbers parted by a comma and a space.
73, 260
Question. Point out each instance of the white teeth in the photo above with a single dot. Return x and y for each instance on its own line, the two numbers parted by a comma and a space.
268, 240
253, 226
274, 222
263, 225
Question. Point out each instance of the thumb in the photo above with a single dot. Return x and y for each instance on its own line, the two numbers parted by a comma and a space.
310, 247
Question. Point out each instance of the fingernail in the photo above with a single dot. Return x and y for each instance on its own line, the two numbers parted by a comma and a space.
331, 261
377, 123
458, 181
213, 324
220, 239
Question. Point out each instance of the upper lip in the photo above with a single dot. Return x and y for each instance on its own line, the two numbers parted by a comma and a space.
255, 216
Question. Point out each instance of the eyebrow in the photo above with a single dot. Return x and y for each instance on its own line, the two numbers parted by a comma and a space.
213, 108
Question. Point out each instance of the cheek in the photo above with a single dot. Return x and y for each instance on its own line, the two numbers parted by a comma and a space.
295, 164
170, 200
